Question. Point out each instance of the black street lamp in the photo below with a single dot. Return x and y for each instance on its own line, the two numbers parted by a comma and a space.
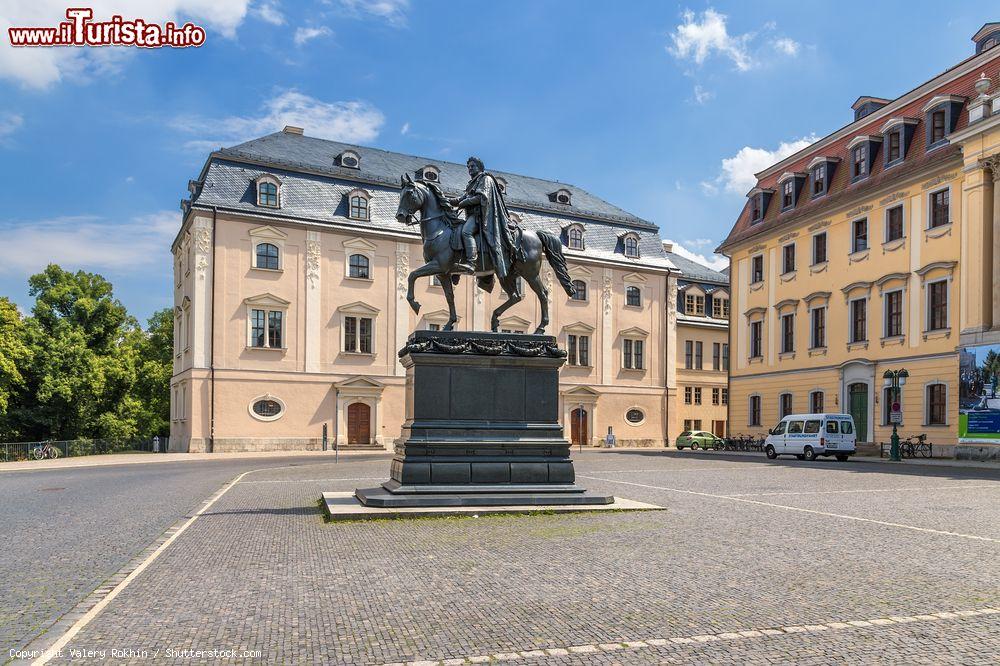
895, 376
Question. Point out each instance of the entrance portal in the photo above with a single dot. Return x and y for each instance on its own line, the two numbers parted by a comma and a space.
358, 424
858, 394
578, 427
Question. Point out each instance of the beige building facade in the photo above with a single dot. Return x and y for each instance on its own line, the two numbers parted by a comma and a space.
874, 249
290, 282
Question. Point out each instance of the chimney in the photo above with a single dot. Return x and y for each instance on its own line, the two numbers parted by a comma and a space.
668, 246
292, 129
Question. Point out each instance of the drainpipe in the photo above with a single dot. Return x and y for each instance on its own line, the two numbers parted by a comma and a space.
211, 358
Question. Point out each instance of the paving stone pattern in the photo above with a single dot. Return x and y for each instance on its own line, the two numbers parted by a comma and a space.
262, 571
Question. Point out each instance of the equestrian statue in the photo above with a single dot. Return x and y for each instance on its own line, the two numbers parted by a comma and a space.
486, 243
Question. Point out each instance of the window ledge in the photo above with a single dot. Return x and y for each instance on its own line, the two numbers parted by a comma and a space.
860, 344
895, 162
819, 268
755, 286
786, 356
267, 270
355, 353
860, 255
817, 351
578, 301
937, 334
359, 279
893, 340
938, 231
274, 349
577, 365
755, 359
889, 246
636, 307
635, 370
788, 277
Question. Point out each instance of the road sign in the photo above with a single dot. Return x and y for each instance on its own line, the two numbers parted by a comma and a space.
895, 407
895, 417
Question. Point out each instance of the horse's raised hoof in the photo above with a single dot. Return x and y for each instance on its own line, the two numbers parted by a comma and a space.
414, 306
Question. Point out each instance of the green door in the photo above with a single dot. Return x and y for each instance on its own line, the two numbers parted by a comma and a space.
859, 409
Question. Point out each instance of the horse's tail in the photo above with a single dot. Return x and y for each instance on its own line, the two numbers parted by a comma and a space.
553, 252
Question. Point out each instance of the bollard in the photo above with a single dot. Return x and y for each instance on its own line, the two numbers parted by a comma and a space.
324, 437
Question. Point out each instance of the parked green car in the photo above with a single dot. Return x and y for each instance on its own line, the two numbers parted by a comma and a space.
698, 439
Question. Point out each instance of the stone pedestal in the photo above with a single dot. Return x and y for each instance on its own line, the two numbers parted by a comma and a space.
482, 425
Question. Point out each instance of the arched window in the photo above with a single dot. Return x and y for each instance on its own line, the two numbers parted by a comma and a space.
267, 256
358, 267
579, 290
633, 296
631, 246
359, 207
575, 238
267, 194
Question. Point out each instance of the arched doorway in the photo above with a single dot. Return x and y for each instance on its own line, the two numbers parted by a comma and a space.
578, 427
359, 424
858, 408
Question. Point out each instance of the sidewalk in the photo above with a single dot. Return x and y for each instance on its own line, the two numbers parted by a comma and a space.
152, 458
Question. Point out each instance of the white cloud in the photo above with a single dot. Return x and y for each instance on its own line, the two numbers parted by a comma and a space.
90, 242
353, 121
405, 129
269, 13
787, 46
714, 261
737, 174
697, 40
392, 11
701, 95
303, 35
41, 68
699, 242
9, 123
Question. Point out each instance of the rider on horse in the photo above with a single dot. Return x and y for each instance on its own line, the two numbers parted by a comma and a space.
486, 211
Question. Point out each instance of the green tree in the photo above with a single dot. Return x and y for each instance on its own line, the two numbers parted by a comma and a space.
14, 356
156, 367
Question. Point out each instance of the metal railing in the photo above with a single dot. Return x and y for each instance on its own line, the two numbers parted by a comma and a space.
14, 451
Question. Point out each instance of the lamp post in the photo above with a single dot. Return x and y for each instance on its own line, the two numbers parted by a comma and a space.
894, 376
580, 425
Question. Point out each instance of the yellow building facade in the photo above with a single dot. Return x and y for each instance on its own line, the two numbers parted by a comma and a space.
873, 249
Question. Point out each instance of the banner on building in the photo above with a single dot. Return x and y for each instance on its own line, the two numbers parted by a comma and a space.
979, 394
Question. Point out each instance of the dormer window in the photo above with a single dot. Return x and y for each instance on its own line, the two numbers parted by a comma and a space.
268, 191
789, 185
357, 205
349, 159
821, 174
942, 116
574, 237
430, 173
632, 246
759, 199
859, 162
560, 197
862, 150
897, 134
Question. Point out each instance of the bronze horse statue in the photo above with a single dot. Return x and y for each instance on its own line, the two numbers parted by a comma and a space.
437, 222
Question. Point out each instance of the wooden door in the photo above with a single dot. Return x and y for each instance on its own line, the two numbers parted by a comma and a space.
719, 428
859, 409
578, 427
358, 424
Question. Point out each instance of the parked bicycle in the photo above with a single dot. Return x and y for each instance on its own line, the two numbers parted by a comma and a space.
45, 450
915, 446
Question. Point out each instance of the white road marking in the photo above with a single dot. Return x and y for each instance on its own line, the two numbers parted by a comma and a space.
690, 469
359, 478
795, 508
700, 638
995, 486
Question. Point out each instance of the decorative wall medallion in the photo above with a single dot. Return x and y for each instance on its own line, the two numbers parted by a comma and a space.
943, 178
402, 273
312, 261
819, 225
788, 236
895, 196
758, 247
202, 247
860, 209
606, 295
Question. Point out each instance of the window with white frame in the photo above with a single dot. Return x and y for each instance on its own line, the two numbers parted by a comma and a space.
267, 257
574, 237
757, 269
632, 354
819, 248
894, 228
859, 320
688, 395
358, 207
817, 327
784, 405
578, 349
788, 333
579, 290
936, 402
694, 304
756, 341
859, 235
697, 395
937, 305
893, 316
266, 328
816, 402
754, 411
788, 258
939, 208
268, 188
725, 396
358, 267
633, 296
720, 307
632, 247
358, 334
715, 396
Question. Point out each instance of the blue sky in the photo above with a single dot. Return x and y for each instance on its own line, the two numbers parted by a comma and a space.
665, 109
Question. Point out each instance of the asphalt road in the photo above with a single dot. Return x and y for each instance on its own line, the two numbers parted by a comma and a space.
65, 531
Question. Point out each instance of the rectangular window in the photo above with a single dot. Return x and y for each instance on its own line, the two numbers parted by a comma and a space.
785, 405
697, 424
694, 304
819, 180
816, 402
859, 320
725, 396
720, 308
894, 223
940, 205
274, 330
571, 350
755, 211
715, 396
788, 194
687, 425
818, 327
936, 404
698, 356
688, 355
688, 395
755, 341
256, 328
860, 235
757, 269
725, 357
788, 255
860, 162
937, 305
697, 395
632, 354
365, 335
893, 314
787, 333
819, 248
716, 356
433, 327
937, 126
893, 152
358, 334
754, 419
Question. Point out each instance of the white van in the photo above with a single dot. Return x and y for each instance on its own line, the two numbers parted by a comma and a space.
806, 436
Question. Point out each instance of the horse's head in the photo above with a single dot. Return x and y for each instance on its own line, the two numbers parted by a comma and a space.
411, 199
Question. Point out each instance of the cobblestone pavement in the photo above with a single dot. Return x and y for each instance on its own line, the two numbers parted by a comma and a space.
66, 531
744, 545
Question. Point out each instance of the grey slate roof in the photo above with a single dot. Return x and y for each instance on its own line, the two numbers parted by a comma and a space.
695, 272
320, 197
